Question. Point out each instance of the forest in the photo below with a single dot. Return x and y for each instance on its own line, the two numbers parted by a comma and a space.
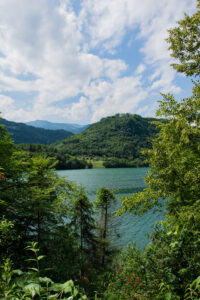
63, 161
22, 133
114, 142
117, 140
55, 243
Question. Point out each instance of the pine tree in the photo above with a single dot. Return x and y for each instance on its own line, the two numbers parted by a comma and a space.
104, 205
83, 224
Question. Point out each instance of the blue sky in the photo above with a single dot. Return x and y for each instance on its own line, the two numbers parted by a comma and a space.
78, 61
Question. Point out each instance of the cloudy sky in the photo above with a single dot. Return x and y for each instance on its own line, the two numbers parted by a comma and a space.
81, 60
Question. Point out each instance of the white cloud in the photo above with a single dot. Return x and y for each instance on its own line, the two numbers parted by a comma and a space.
108, 98
140, 69
5, 102
79, 111
7, 108
64, 55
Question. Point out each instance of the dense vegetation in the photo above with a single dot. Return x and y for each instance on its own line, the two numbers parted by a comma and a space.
168, 268
117, 139
22, 133
40, 208
62, 160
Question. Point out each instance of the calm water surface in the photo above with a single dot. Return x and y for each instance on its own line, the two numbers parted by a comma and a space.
124, 181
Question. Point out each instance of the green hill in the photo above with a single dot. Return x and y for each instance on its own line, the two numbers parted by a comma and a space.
120, 137
22, 133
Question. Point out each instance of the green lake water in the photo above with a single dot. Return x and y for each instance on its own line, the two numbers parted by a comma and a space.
124, 181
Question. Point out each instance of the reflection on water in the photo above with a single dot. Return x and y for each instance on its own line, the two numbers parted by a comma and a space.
124, 182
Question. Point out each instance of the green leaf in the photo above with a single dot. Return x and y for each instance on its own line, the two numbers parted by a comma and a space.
33, 289
75, 292
34, 269
67, 287
41, 257
54, 297
45, 279
18, 272
168, 296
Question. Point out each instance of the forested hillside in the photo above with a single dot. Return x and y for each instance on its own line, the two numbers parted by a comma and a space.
63, 161
22, 133
121, 136
117, 141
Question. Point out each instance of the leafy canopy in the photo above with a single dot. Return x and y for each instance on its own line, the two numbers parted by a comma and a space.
185, 44
174, 160
174, 174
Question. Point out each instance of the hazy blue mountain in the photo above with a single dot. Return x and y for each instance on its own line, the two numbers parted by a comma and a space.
74, 128
22, 133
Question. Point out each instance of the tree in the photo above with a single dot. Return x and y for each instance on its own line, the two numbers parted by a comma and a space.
34, 205
6, 150
83, 225
171, 260
174, 160
104, 205
185, 44
7, 233
175, 157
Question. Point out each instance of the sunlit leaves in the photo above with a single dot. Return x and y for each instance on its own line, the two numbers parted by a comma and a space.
184, 42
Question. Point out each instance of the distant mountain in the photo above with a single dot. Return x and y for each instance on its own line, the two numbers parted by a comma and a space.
74, 128
22, 133
121, 136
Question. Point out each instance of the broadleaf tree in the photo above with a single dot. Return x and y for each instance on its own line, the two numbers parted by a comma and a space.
171, 260
185, 44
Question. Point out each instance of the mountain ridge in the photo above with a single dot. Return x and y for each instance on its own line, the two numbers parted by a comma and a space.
71, 127
23, 133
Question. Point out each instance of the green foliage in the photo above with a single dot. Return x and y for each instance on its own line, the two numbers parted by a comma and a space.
174, 159
16, 284
104, 208
185, 44
37, 205
171, 261
6, 150
128, 279
165, 268
22, 133
105, 198
34, 207
83, 225
7, 236
124, 163
173, 257
193, 290
121, 136
63, 161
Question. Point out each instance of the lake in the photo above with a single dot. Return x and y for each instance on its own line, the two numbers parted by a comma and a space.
124, 181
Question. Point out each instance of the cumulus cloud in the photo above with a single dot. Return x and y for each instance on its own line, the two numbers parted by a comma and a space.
140, 69
61, 55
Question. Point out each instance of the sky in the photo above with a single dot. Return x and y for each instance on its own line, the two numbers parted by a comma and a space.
76, 61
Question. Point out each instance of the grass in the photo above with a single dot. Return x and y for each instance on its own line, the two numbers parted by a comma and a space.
97, 164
